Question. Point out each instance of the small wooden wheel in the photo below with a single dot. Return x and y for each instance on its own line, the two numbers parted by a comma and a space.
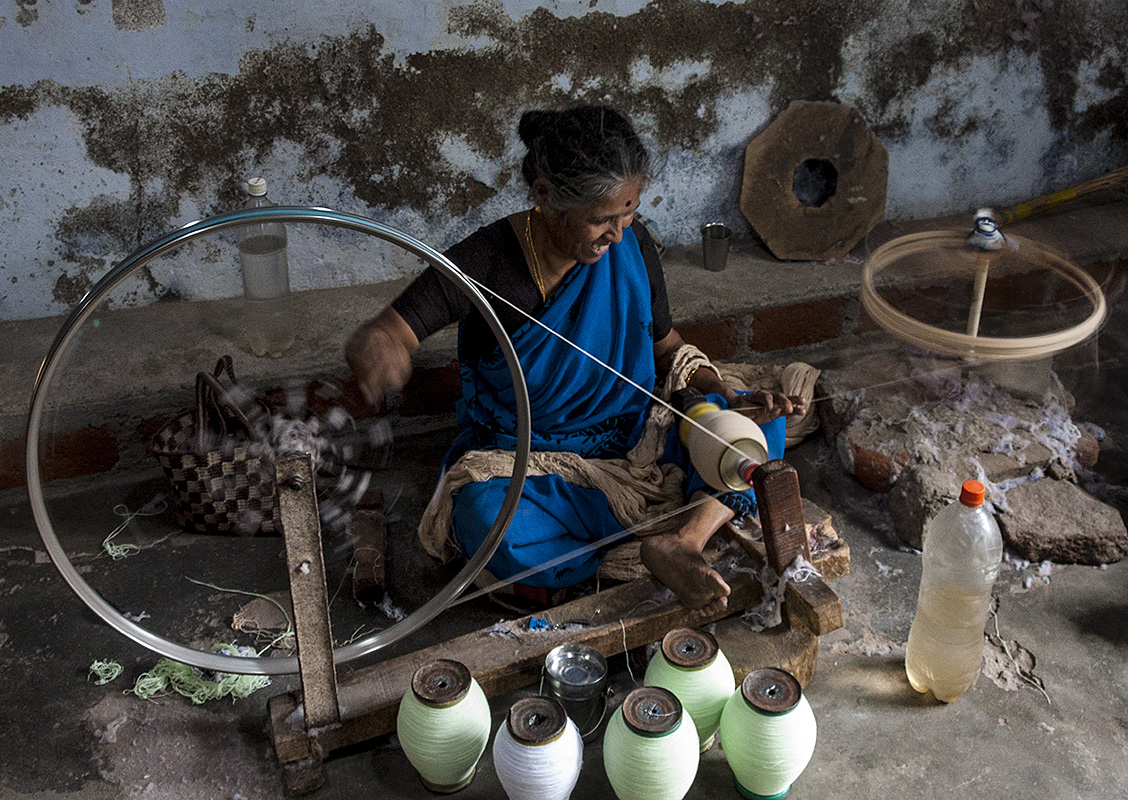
947, 251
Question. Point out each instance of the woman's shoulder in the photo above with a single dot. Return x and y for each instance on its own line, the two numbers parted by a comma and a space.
487, 242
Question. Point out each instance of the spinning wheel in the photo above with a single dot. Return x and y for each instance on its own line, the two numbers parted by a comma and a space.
47, 380
951, 257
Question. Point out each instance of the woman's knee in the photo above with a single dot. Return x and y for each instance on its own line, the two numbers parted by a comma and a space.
476, 509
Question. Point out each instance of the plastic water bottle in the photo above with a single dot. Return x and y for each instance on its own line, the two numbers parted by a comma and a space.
266, 280
962, 551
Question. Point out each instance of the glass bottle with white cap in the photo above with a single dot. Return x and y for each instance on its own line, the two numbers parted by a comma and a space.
269, 313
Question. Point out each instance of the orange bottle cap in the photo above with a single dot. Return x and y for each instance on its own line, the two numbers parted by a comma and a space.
972, 493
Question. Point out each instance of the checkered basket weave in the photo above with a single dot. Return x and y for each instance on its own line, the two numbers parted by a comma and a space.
221, 483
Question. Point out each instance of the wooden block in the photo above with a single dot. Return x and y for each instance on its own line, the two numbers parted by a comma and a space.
501, 658
287, 728
303, 777
780, 510
792, 649
368, 549
833, 562
813, 605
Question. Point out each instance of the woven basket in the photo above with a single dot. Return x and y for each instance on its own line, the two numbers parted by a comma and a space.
220, 483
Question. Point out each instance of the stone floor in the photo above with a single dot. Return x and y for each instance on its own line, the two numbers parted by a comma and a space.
67, 737
1055, 726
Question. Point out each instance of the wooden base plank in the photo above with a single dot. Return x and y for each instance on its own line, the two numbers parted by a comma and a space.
304, 776
509, 656
501, 659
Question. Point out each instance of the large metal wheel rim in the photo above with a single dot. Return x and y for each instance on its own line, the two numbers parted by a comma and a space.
983, 348
272, 666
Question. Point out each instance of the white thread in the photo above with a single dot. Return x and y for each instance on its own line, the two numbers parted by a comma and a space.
650, 767
767, 752
769, 611
627, 653
119, 551
444, 744
547, 771
289, 624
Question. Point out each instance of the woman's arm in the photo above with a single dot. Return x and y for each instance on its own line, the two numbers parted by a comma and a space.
379, 354
664, 353
760, 407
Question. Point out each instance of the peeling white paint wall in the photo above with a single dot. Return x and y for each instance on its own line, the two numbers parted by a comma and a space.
978, 130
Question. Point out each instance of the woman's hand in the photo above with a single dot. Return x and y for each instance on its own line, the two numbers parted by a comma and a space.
764, 406
379, 354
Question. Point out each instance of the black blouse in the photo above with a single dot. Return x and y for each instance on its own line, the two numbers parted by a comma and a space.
493, 256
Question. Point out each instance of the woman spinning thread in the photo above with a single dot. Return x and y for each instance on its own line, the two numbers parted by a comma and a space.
580, 264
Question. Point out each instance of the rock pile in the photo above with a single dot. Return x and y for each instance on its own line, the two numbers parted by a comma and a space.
935, 424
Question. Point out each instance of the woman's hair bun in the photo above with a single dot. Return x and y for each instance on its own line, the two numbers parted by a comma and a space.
534, 124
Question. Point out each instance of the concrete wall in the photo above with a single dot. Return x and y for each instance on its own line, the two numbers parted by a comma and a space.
120, 120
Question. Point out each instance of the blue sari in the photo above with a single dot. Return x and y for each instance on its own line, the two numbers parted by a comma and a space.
577, 406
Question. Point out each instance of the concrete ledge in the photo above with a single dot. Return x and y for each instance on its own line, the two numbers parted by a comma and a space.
132, 369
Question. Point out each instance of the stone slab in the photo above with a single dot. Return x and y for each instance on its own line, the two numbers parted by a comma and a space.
1049, 520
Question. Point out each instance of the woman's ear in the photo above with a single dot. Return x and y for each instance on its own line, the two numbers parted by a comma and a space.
541, 191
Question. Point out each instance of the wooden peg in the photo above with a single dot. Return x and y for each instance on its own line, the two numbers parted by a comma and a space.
780, 509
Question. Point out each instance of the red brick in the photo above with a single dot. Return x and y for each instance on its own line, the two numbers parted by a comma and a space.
12, 463
147, 428
928, 305
873, 469
1017, 292
352, 399
718, 339
322, 395
65, 455
1105, 272
804, 323
1111, 276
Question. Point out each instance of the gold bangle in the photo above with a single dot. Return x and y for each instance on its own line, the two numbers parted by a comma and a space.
693, 371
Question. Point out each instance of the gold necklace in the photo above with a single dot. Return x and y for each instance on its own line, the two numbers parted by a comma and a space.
533, 251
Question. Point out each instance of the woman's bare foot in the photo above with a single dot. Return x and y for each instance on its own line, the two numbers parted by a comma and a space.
676, 561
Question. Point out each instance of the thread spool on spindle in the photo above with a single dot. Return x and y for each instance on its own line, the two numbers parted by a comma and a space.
443, 725
650, 749
538, 752
769, 732
725, 446
691, 665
